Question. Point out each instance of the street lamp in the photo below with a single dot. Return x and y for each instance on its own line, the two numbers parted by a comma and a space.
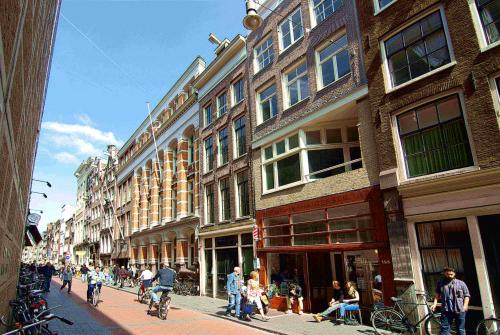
42, 181
252, 20
44, 195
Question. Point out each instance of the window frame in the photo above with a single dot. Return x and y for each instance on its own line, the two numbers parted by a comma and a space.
314, 19
220, 151
260, 118
191, 153
206, 156
236, 146
190, 196
221, 110
209, 210
333, 57
385, 62
286, 84
207, 117
238, 194
291, 25
378, 9
234, 102
257, 63
478, 25
222, 211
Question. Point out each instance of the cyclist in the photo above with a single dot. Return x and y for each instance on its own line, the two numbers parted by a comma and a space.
146, 278
95, 278
166, 277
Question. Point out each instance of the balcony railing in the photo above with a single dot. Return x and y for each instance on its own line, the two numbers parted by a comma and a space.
308, 176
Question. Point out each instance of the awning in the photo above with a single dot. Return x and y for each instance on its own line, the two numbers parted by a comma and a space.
32, 236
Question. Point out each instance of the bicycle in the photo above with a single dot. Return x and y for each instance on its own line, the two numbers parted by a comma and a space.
95, 296
143, 293
163, 305
489, 326
394, 320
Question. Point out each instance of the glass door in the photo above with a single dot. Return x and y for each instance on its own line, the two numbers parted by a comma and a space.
226, 259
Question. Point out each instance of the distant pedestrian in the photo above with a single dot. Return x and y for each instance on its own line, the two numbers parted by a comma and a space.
84, 270
48, 272
116, 271
233, 287
123, 276
454, 296
67, 276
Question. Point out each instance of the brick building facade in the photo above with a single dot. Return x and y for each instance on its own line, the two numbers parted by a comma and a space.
27, 31
433, 70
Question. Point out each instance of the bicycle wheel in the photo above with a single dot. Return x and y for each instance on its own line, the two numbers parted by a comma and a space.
489, 326
388, 321
163, 308
95, 297
433, 325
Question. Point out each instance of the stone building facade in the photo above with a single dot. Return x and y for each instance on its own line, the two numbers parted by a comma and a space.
226, 193
164, 209
81, 222
433, 74
27, 31
314, 157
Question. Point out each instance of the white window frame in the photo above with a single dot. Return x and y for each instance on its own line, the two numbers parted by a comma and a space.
219, 147
385, 64
319, 71
205, 197
314, 20
237, 192
221, 203
478, 25
287, 84
205, 115
401, 168
379, 9
257, 55
220, 108
495, 94
260, 118
234, 102
205, 165
234, 140
291, 24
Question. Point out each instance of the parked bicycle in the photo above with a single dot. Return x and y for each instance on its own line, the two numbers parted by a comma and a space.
489, 326
396, 320
35, 326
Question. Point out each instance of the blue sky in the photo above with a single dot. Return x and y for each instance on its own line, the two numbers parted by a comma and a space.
110, 57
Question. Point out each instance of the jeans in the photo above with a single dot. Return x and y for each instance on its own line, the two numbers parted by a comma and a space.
290, 300
347, 307
90, 289
68, 282
447, 320
157, 289
47, 284
234, 302
330, 310
84, 277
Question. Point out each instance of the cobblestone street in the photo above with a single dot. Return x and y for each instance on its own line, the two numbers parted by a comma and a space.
120, 313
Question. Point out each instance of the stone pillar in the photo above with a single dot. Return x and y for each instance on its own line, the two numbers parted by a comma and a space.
155, 182
166, 250
182, 252
167, 188
131, 256
143, 220
196, 183
152, 253
196, 251
182, 188
141, 255
135, 203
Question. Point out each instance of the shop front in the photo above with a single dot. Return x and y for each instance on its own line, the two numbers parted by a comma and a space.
222, 251
340, 237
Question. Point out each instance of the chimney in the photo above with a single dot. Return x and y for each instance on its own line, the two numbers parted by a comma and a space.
221, 45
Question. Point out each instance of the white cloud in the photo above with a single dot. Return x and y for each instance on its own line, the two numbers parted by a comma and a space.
90, 133
84, 118
66, 158
80, 145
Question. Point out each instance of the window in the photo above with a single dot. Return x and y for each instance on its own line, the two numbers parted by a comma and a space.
223, 147
297, 84
174, 161
325, 8
433, 138
333, 61
291, 29
417, 49
221, 104
209, 154
207, 115
325, 148
268, 104
209, 202
191, 149
243, 198
240, 137
238, 91
264, 54
381, 4
225, 198
489, 12
174, 204
190, 197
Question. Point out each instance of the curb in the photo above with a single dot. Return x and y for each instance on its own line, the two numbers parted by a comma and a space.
219, 316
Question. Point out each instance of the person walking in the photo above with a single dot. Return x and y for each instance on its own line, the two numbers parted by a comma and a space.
116, 270
123, 273
67, 276
84, 270
334, 304
294, 293
233, 286
48, 272
253, 294
454, 296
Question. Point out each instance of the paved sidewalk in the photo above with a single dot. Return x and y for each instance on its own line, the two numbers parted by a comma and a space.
280, 323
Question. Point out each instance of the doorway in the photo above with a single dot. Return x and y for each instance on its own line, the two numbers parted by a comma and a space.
320, 280
227, 259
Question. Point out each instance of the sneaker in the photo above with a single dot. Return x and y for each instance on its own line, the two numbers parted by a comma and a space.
318, 317
300, 312
289, 311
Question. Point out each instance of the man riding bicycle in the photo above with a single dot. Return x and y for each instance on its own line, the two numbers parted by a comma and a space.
166, 278
95, 278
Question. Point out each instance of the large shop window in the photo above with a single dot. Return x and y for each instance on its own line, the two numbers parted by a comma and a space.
447, 243
329, 151
418, 49
343, 224
434, 138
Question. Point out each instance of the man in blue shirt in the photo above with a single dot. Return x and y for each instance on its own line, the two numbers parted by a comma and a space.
166, 277
233, 287
454, 296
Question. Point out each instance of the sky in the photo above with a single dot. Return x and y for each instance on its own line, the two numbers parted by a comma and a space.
110, 58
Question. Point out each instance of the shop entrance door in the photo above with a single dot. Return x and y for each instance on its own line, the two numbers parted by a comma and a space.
320, 280
227, 259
